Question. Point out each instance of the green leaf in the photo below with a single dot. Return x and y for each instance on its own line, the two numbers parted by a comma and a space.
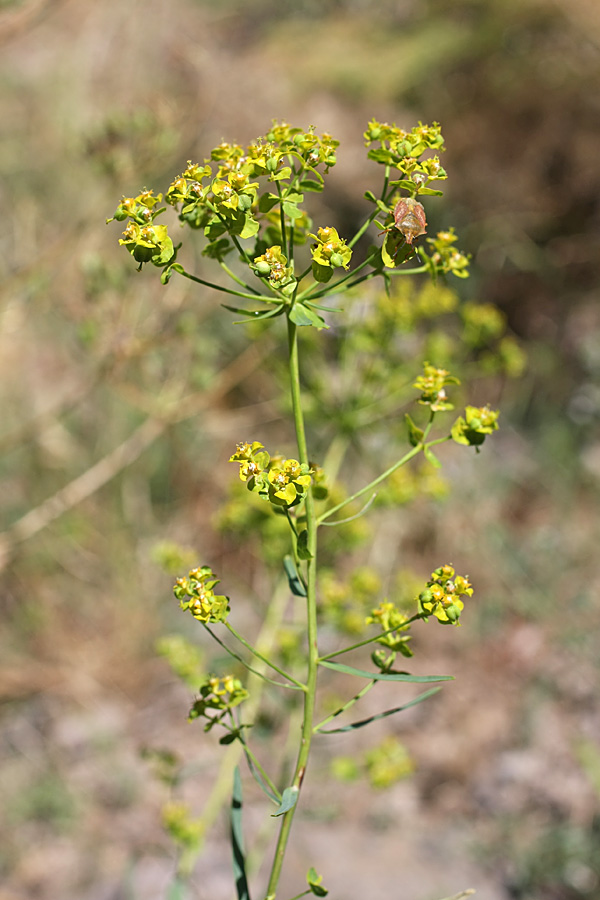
296, 586
250, 227
381, 156
217, 249
284, 173
301, 315
289, 798
384, 676
405, 184
415, 435
321, 273
267, 202
314, 882
291, 210
237, 839
302, 546
309, 184
389, 712
254, 314
369, 195
431, 192
432, 458
165, 275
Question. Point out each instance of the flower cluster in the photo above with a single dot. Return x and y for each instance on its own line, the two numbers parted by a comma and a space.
281, 481
441, 596
432, 385
330, 252
396, 144
445, 257
272, 264
472, 428
196, 594
145, 241
219, 695
392, 622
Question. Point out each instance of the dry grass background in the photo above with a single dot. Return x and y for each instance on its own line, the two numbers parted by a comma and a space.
118, 395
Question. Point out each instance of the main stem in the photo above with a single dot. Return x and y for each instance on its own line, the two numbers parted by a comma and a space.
311, 616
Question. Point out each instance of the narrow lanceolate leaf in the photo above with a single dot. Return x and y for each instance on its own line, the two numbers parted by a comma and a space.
385, 676
237, 839
389, 712
289, 798
296, 586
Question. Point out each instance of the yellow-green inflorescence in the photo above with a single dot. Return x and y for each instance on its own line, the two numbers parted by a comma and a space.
196, 593
442, 595
473, 428
283, 482
388, 617
432, 384
218, 695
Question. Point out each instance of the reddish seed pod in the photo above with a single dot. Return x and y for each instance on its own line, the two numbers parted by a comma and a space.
409, 218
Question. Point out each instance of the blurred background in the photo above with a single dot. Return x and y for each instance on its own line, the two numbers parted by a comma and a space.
119, 395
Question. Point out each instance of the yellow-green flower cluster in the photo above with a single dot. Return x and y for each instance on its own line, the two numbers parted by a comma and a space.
344, 603
472, 428
392, 622
432, 384
388, 763
186, 831
445, 257
312, 148
196, 594
283, 482
289, 482
330, 250
219, 695
273, 265
145, 241
403, 150
441, 596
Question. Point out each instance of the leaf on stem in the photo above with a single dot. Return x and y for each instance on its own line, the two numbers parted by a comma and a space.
296, 586
389, 712
289, 798
432, 458
302, 546
385, 676
237, 839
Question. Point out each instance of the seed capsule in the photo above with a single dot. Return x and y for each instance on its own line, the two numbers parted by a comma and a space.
409, 218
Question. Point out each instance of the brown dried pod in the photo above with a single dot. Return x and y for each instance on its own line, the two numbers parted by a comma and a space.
409, 218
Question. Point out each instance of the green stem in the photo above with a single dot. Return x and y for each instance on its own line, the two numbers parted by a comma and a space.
262, 658
346, 706
311, 615
224, 290
371, 639
238, 280
372, 484
250, 668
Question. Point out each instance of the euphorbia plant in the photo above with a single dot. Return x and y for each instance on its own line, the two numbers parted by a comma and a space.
248, 204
